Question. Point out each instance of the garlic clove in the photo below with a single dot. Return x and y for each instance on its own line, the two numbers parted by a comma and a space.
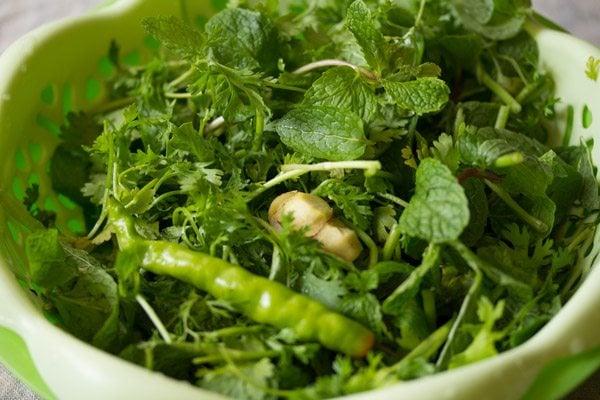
308, 211
340, 240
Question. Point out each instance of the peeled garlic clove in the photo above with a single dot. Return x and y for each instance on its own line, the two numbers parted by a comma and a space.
308, 211
340, 240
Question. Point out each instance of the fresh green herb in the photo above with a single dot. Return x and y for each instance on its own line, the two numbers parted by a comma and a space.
307, 201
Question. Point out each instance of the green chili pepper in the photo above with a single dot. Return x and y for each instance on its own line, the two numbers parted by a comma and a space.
259, 298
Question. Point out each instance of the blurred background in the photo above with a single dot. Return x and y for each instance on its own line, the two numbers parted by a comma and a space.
581, 17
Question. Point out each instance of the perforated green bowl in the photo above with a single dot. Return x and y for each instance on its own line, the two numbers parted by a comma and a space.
62, 67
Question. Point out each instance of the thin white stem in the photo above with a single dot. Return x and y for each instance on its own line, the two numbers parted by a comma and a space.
332, 165
334, 63
162, 331
214, 124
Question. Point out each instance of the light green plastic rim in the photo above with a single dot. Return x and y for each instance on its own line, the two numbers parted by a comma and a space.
62, 67
15, 355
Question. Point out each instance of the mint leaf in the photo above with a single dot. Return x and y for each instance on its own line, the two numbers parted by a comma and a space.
85, 307
438, 211
484, 335
361, 23
323, 132
494, 19
48, 266
422, 96
243, 39
176, 35
346, 89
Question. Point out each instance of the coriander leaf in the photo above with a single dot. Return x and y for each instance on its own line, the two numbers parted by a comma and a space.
364, 308
352, 200
243, 39
327, 292
323, 132
439, 210
227, 381
361, 23
592, 67
484, 335
423, 95
344, 88
176, 35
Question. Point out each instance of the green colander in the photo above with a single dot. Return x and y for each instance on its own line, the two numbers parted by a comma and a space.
63, 67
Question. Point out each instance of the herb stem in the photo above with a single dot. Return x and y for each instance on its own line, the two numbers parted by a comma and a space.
164, 334
259, 127
502, 118
498, 90
532, 221
174, 95
234, 355
233, 331
292, 171
391, 242
182, 78
371, 246
394, 199
334, 63
214, 124
473, 262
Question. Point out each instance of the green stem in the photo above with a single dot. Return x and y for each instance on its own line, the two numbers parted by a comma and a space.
334, 63
532, 221
259, 127
391, 242
394, 199
498, 90
292, 171
182, 78
154, 318
234, 355
473, 262
502, 117
371, 246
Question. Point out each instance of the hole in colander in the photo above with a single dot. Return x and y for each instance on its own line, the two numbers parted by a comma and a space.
47, 95
106, 67
67, 99
151, 42
133, 58
67, 202
219, 5
36, 152
75, 226
20, 160
48, 124
50, 204
17, 188
93, 89
586, 117
34, 179
15, 233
